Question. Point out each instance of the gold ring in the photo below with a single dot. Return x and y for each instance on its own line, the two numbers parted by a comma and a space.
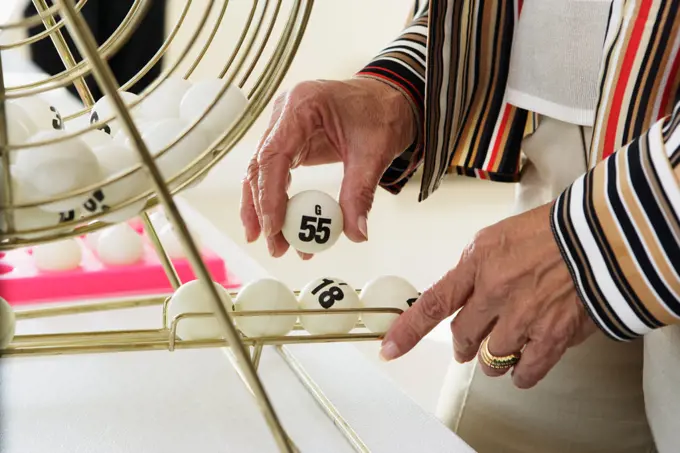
496, 362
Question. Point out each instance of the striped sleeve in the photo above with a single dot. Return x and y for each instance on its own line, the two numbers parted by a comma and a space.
402, 65
618, 227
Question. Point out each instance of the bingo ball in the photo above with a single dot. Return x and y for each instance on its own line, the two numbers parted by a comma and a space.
201, 96
192, 297
58, 256
120, 245
143, 125
165, 100
96, 138
20, 128
42, 115
104, 109
171, 241
313, 221
33, 218
114, 160
176, 159
59, 168
265, 294
328, 294
7, 323
386, 292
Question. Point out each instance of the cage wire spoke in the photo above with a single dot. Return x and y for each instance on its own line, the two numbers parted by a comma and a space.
35, 20
106, 80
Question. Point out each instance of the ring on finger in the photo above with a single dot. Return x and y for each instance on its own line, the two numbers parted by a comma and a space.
498, 362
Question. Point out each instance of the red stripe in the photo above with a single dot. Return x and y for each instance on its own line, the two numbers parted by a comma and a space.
670, 85
501, 131
520, 3
622, 82
403, 79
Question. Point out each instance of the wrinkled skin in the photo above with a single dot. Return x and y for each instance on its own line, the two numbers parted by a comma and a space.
511, 281
362, 123
512, 284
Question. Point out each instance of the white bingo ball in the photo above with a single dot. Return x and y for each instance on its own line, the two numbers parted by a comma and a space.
192, 297
165, 100
62, 255
7, 323
91, 239
33, 218
265, 294
328, 294
200, 97
386, 292
104, 108
96, 138
114, 160
42, 115
20, 128
143, 125
313, 221
120, 245
177, 158
59, 168
159, 219
171, 243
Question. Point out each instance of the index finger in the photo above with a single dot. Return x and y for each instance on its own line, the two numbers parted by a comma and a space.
439, 302
276, 157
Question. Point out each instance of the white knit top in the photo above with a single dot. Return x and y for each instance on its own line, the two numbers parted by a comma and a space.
556, 57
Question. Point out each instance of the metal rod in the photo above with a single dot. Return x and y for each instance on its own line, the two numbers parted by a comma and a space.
47, 312
166, 262
7, 189
85, 40
64, 52
257, 354
150, 340
233, 360
322, 400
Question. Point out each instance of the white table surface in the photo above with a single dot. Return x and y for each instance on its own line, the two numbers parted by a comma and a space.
193, 400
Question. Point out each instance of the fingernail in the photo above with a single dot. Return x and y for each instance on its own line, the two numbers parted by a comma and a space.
267, 225
250, 237
270, 245
458, 357
388, 351
362, 223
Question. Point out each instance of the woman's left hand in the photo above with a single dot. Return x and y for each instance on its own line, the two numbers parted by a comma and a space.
512, 285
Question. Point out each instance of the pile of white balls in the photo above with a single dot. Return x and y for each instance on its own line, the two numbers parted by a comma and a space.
325, 294
56, 169
117, 245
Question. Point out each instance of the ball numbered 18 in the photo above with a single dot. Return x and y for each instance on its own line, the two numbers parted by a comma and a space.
328, 294
387, 291
313, 221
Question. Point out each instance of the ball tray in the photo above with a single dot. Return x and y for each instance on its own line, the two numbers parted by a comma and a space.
21, 282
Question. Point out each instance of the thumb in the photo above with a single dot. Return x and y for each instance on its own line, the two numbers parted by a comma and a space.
359, 184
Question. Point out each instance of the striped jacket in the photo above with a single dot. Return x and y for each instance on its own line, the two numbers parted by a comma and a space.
618, 226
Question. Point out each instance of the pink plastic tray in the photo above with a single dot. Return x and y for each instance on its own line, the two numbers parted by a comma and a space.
22, 283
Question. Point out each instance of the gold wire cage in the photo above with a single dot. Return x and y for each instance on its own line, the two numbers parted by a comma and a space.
257, 64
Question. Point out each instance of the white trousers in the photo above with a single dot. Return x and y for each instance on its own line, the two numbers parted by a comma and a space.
592, 401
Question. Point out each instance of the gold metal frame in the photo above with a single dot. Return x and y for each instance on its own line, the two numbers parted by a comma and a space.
252, 63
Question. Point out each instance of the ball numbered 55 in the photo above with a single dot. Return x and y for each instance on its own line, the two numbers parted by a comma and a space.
328, 294
313, 221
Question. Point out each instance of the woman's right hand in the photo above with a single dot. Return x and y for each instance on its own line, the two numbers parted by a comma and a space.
362, 123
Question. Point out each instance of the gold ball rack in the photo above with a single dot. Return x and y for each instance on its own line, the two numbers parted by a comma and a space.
259, 60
